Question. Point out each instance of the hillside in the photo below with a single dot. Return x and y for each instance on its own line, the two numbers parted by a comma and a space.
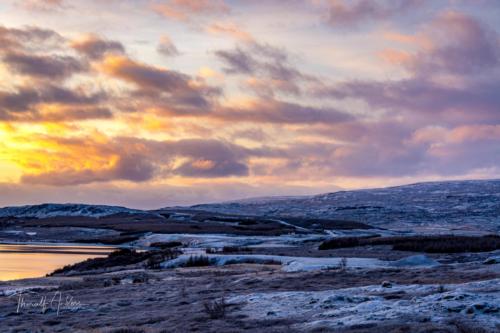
461, 204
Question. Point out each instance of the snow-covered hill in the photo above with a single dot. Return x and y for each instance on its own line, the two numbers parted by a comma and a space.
448, 205
433, 206
53, 210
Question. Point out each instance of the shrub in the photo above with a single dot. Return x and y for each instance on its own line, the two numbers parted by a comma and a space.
430, 244
122, 257
216, 309
197, 261
128, 330
450, 244
157, 257
343, 264
234, 249
337, 243
166, 245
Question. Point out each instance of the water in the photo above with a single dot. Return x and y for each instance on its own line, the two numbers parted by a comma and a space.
20, 261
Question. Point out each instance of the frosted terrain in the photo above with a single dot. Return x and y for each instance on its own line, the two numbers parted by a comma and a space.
479, 301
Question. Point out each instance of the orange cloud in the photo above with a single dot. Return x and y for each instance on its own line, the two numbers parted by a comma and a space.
96, 47
184, 10
231, 30
457, 135
142, 75
167, 47
395, 56
474, 133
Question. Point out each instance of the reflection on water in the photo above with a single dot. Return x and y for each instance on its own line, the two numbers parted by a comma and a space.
19, 261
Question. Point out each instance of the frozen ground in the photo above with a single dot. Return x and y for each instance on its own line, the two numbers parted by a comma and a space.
300, 264
263, 298
219, 241
362, 306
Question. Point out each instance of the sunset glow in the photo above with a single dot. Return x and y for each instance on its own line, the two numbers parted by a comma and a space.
182, 101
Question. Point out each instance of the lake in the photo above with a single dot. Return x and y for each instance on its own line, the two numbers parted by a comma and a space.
20, 261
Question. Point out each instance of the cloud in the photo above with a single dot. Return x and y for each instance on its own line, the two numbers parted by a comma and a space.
27, 103
43, 5
209, 168
458, 150
145, 76
237, 61
230, 29
391, 148
450, 82
348, 14
273, 122
279, 112
35, 53
46, 67
66, 114
167, 47
457, 135
29, 39
476, 102
185, 10
452, 43
253, 134
170, 91
269, 68
138, 160
95, 47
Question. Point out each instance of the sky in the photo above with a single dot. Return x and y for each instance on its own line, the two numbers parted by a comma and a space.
154, 103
